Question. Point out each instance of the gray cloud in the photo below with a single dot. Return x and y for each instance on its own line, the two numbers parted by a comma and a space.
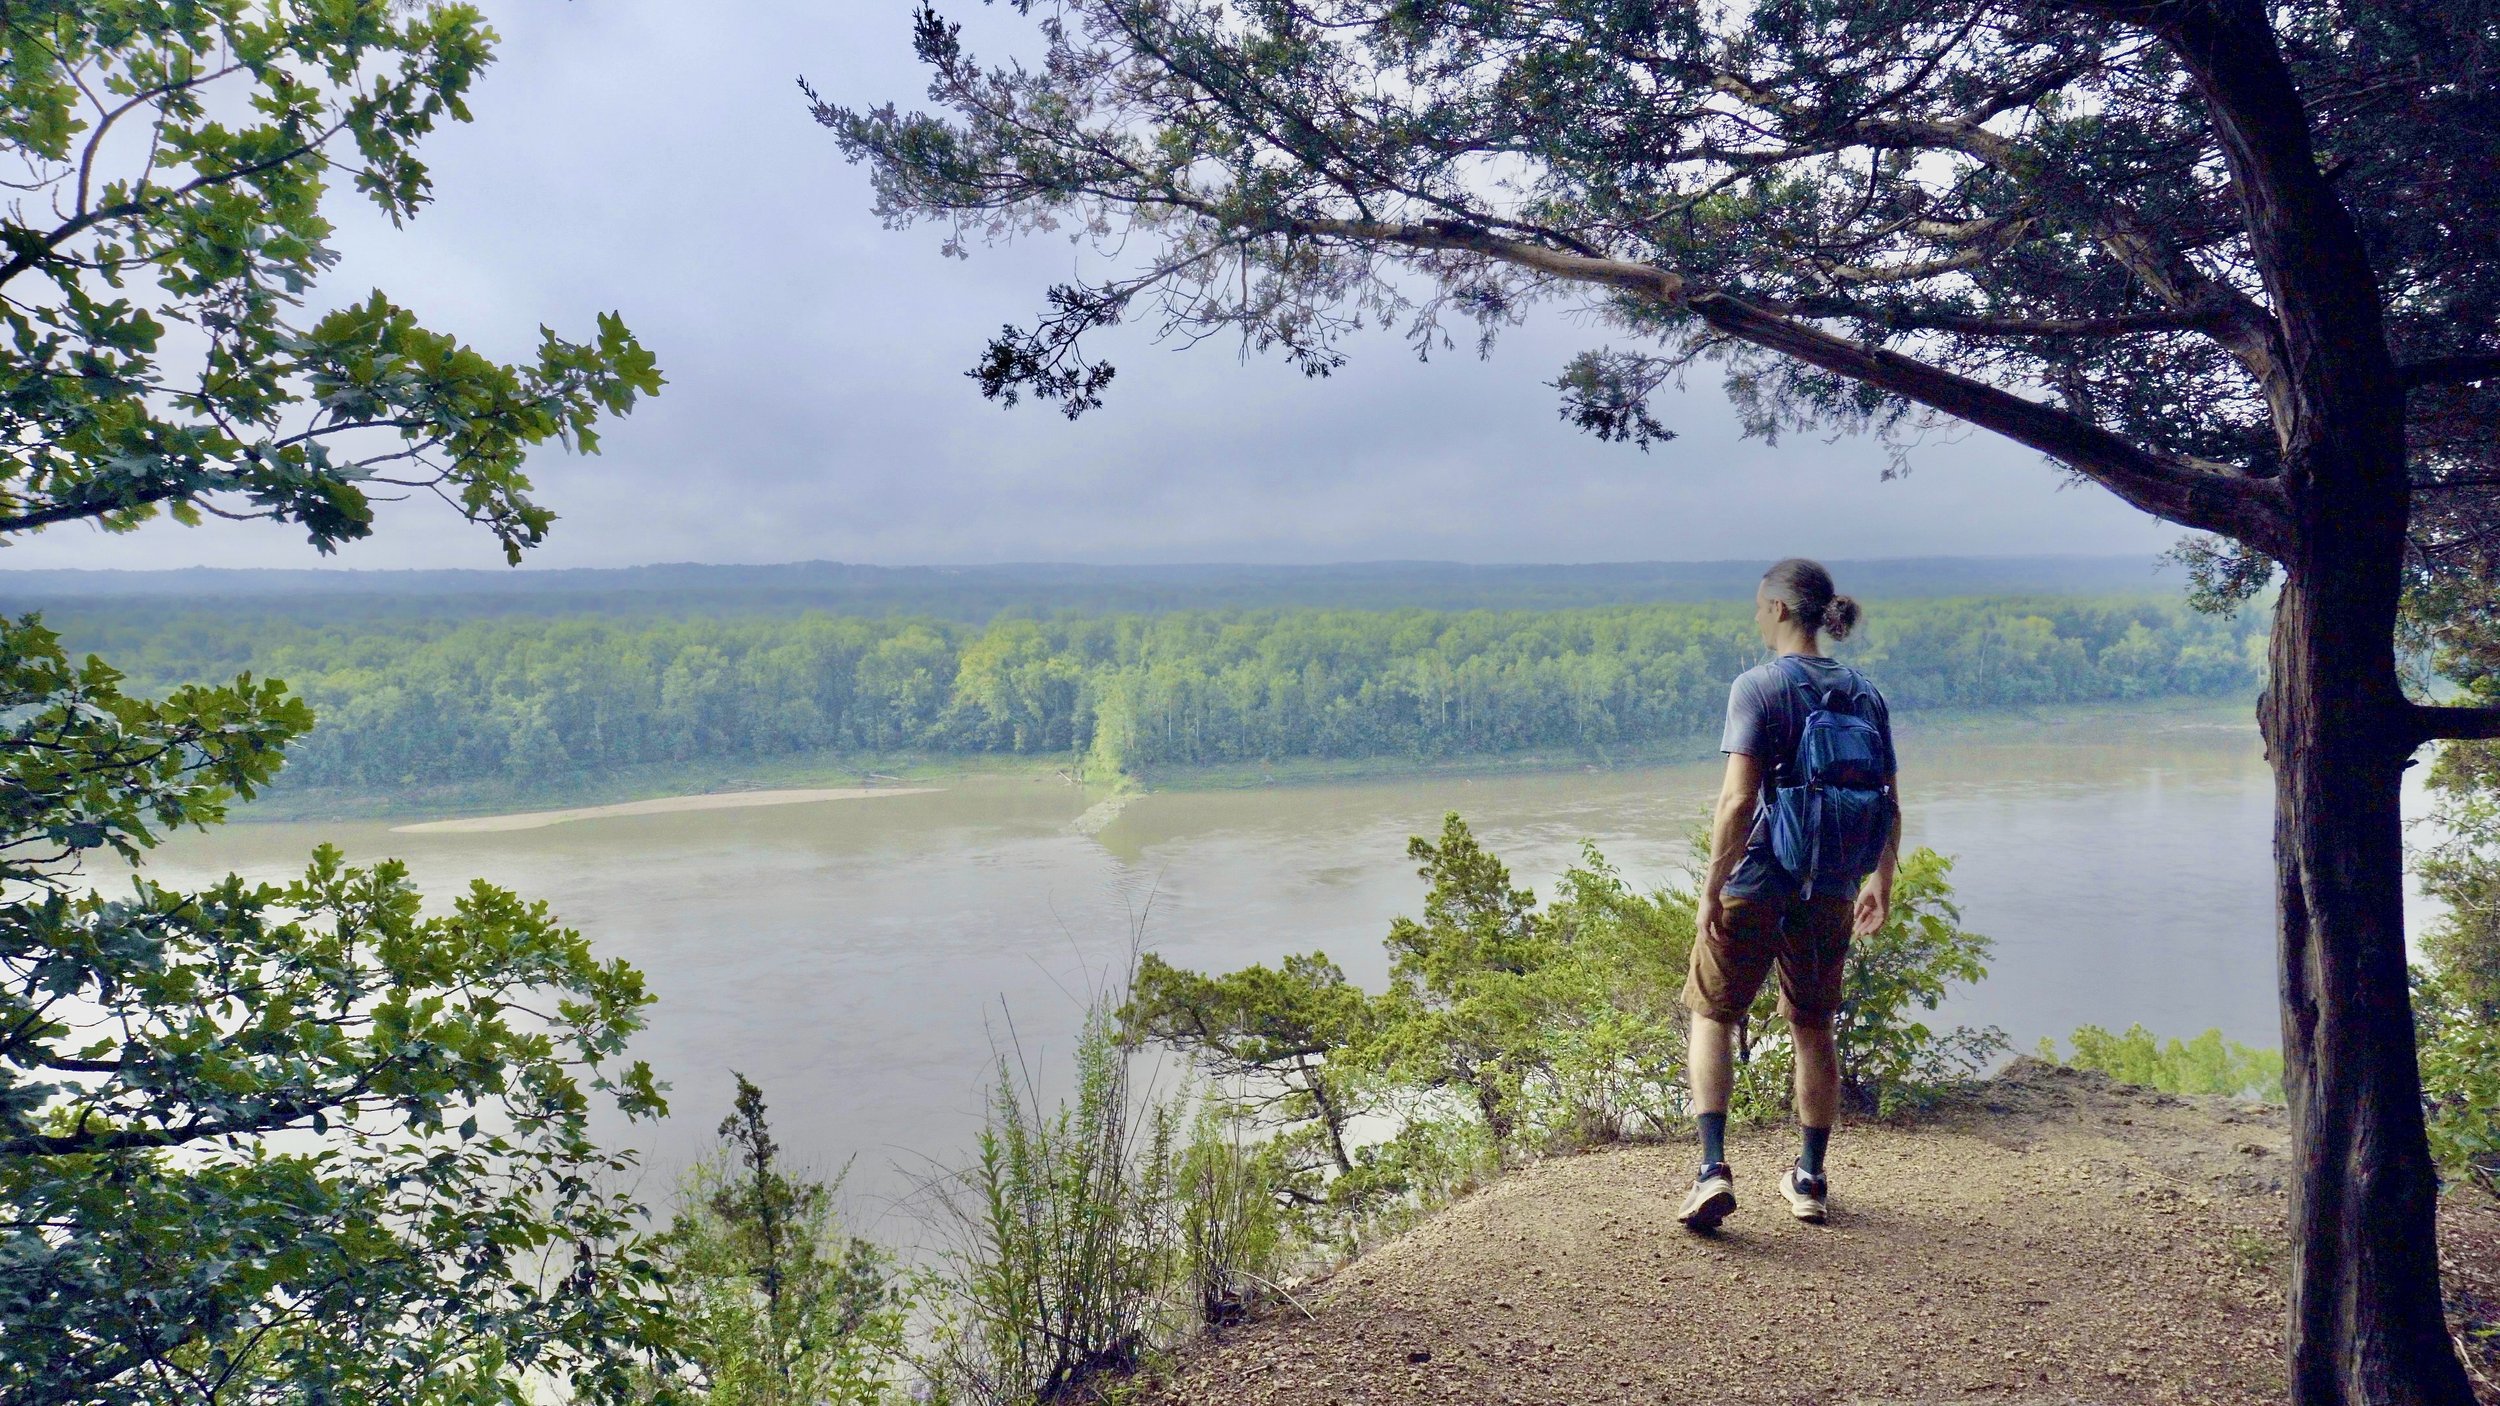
644, 157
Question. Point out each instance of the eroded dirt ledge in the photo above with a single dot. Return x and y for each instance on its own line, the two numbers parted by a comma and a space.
2052, 1237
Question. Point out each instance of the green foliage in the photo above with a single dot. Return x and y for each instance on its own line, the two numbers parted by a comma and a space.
2459, 1044
770, 1303
1278, 1041
271, 1138
531, 700
1233, 1242
1613, 1048
1890, 1059
1512, 1028
2462, 871
2207, 1064
176, 159
1466, 1010
301, 1141
1066, 1247
2456, 998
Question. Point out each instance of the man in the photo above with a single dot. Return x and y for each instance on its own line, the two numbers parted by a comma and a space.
1775, 897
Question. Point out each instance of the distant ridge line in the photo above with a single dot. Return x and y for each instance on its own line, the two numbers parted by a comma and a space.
978, 593
81, 581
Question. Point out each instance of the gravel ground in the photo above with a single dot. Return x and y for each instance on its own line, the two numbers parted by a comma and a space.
2054, 1238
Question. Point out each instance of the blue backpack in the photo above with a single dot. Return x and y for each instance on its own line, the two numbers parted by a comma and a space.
1831, 805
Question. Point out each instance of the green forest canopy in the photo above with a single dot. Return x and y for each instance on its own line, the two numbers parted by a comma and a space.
533, 699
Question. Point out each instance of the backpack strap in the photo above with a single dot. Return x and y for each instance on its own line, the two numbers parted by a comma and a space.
1818, 696
1800, 682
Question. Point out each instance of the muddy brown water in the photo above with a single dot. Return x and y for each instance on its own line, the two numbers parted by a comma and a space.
863, 959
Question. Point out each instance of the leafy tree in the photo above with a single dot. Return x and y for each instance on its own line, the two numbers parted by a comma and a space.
1616, 1021
1467, 1011
1279, 1042
188, 148
771, 1303
301, 1141
2232, 261
262, 1140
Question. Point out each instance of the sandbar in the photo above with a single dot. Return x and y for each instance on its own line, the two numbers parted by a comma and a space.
664, 805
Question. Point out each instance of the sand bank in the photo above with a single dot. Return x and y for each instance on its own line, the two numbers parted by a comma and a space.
664, 805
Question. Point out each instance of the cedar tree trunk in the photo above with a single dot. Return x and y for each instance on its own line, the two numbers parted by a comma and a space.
2367, 1327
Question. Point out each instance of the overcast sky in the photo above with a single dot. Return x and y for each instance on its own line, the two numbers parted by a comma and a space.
655, 158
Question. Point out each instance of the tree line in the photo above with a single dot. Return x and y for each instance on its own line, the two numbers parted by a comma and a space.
534, 700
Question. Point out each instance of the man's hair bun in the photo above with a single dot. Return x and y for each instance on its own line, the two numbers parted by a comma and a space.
1840, 617
1806, 589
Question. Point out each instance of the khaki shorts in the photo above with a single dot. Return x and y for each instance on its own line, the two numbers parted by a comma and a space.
1806, 938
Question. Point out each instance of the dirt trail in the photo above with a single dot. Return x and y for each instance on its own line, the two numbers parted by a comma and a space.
2053, 1238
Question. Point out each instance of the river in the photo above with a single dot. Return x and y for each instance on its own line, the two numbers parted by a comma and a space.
862, 959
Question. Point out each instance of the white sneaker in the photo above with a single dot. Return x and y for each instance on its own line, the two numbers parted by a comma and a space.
1808, 1197
1714, 1195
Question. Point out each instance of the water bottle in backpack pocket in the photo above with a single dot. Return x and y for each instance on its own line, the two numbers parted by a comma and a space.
1831, 810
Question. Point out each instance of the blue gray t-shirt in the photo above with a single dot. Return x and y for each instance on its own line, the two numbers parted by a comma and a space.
1765, 713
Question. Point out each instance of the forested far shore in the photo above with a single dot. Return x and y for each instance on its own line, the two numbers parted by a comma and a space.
147, 599
532, 701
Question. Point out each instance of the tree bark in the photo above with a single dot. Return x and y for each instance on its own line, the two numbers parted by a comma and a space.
2367, 1326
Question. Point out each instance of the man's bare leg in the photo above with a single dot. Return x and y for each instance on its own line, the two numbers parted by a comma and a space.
1818, 1106
1818, 1072
1710, 1055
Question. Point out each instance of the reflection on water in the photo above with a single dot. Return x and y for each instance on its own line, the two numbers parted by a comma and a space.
859, 960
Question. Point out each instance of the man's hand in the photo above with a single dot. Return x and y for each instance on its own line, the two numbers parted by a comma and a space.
1711, 918
1873, 910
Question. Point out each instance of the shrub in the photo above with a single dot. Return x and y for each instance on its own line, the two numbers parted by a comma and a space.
1890, 1060
2456, 998
772, 1303
2207, 1064
1064, 1239
2460, 1052
1232, 1231
1541, 1028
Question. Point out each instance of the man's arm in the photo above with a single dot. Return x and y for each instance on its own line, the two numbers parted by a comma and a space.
1875, 900
1731, 820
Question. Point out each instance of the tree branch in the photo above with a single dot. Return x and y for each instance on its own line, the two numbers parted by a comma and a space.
2449, 370
37, 250
2240, 325
2307, 246
274, 1116
66, 512
2432, 723
2209, 496
2116, 325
